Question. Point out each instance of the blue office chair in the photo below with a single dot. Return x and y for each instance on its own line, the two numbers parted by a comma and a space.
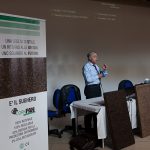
55, 114
69, 94
128, 86
125, 84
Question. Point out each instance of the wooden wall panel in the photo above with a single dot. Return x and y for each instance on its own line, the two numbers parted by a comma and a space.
143, 106
118, 119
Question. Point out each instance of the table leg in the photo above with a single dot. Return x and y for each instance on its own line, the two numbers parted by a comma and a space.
76, 124
103, 143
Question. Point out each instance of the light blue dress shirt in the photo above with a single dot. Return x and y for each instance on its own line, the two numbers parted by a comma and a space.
90, 74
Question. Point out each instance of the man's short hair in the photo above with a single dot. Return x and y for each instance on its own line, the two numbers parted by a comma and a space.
90, 53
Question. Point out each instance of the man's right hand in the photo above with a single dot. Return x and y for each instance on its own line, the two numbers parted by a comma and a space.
100, 76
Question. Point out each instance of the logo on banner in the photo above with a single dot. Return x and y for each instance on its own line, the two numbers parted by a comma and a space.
23, 112
23, 146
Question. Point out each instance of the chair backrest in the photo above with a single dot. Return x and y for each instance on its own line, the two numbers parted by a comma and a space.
69, 94
125, 84
57, 100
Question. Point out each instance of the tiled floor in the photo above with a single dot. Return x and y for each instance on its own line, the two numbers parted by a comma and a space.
62, 143
56, 143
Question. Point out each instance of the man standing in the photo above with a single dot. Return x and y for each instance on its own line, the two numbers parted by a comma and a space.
92, 75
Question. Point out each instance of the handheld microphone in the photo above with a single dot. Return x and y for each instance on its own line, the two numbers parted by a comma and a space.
104, 67
104, 71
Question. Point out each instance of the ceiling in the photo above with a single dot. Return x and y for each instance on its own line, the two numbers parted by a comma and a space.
145, 3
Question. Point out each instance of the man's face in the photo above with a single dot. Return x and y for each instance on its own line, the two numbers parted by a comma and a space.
93, 58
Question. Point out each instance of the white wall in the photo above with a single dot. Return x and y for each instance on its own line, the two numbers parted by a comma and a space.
120, 36
123, 43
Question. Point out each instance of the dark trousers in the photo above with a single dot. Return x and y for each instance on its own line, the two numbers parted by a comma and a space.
91, 91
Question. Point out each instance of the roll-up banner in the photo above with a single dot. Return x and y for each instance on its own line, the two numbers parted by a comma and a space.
23, 85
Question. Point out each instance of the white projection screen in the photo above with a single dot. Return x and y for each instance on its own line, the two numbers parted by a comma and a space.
120, 34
